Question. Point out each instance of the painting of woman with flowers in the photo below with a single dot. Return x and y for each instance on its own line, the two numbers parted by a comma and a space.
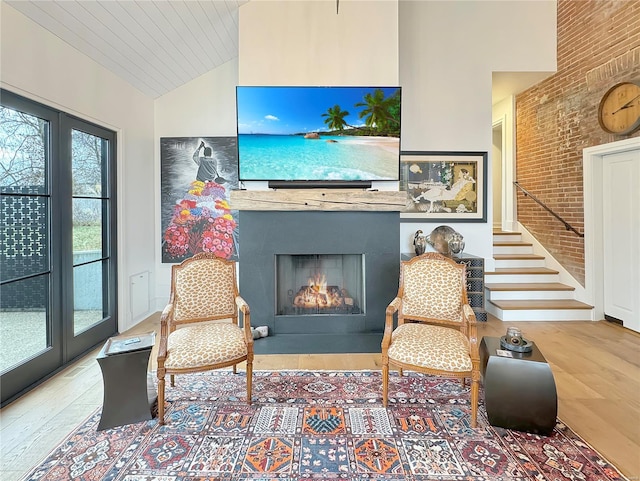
197, 175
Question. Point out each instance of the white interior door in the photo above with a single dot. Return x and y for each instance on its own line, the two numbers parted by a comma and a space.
621, 236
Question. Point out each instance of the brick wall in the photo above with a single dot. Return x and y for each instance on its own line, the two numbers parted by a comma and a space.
598, 46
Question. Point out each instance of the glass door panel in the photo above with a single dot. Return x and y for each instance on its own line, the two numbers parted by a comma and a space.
88, 180
29, 341
57, 240
87, 230
24, 321
92, 263
24, 231
25, 143
88, 296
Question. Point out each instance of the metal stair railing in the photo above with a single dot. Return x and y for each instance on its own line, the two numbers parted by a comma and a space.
545, 207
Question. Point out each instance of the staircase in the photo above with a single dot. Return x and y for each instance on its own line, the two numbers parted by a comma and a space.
522, 288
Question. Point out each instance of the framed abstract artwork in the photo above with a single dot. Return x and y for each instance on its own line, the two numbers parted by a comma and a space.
444, 186
197, 176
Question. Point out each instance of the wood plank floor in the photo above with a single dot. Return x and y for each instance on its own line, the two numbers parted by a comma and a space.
596, 366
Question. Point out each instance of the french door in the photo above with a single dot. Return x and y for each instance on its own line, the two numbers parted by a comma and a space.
57, 240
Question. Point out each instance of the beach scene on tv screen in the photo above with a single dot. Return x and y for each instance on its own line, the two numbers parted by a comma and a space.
318, 133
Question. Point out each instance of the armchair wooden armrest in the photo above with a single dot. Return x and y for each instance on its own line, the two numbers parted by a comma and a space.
468, 314
392, 308
242, 305
165, 328
246, 318
472, 333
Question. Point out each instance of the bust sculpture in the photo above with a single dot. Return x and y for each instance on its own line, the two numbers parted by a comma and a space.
446, 241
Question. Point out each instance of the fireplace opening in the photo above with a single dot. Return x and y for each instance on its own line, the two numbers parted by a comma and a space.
319, 284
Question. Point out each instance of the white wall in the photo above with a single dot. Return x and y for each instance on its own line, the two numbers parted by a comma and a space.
38, 65
442, 53
281, 43
307, 43
445, 55
448, 51
204, 107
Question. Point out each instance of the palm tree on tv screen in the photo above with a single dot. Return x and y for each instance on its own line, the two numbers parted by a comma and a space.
335, 118
382, 116
378, 111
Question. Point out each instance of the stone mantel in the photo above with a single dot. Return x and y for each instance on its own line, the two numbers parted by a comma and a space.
318, 199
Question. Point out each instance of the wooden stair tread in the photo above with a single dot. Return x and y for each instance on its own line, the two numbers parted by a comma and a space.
534, 304
527, 293
521, 257
521, 270
511, 243
529, 286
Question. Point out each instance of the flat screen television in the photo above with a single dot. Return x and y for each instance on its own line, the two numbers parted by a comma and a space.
318, 136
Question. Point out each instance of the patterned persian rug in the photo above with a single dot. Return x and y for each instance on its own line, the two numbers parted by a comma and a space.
307, 425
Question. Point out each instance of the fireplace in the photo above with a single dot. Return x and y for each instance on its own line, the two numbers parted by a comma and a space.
319, 284
320, 281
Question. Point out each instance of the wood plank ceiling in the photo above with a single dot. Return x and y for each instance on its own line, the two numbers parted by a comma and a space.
155, 45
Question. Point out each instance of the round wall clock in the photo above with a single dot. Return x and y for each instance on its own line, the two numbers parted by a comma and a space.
619, 110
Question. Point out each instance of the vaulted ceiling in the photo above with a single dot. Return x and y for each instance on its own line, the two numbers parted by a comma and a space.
156, 46
159, 45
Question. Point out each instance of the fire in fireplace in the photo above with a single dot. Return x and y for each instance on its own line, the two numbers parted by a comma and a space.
317, 295
319, 284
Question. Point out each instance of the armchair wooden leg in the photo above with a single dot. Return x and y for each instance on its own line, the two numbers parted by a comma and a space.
235, 370
161, 400
385, 384
249, 379
173, 380
475, 389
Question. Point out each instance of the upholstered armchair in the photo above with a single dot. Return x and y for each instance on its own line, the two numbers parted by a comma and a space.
199, 327
436, 328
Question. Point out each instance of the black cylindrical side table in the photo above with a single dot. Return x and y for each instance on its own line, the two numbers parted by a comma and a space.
519, 391
128, 393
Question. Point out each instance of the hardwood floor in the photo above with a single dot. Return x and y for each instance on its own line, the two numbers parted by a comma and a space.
596, 366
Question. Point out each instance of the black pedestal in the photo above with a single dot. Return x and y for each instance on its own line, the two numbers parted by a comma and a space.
129, 393
520, 392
